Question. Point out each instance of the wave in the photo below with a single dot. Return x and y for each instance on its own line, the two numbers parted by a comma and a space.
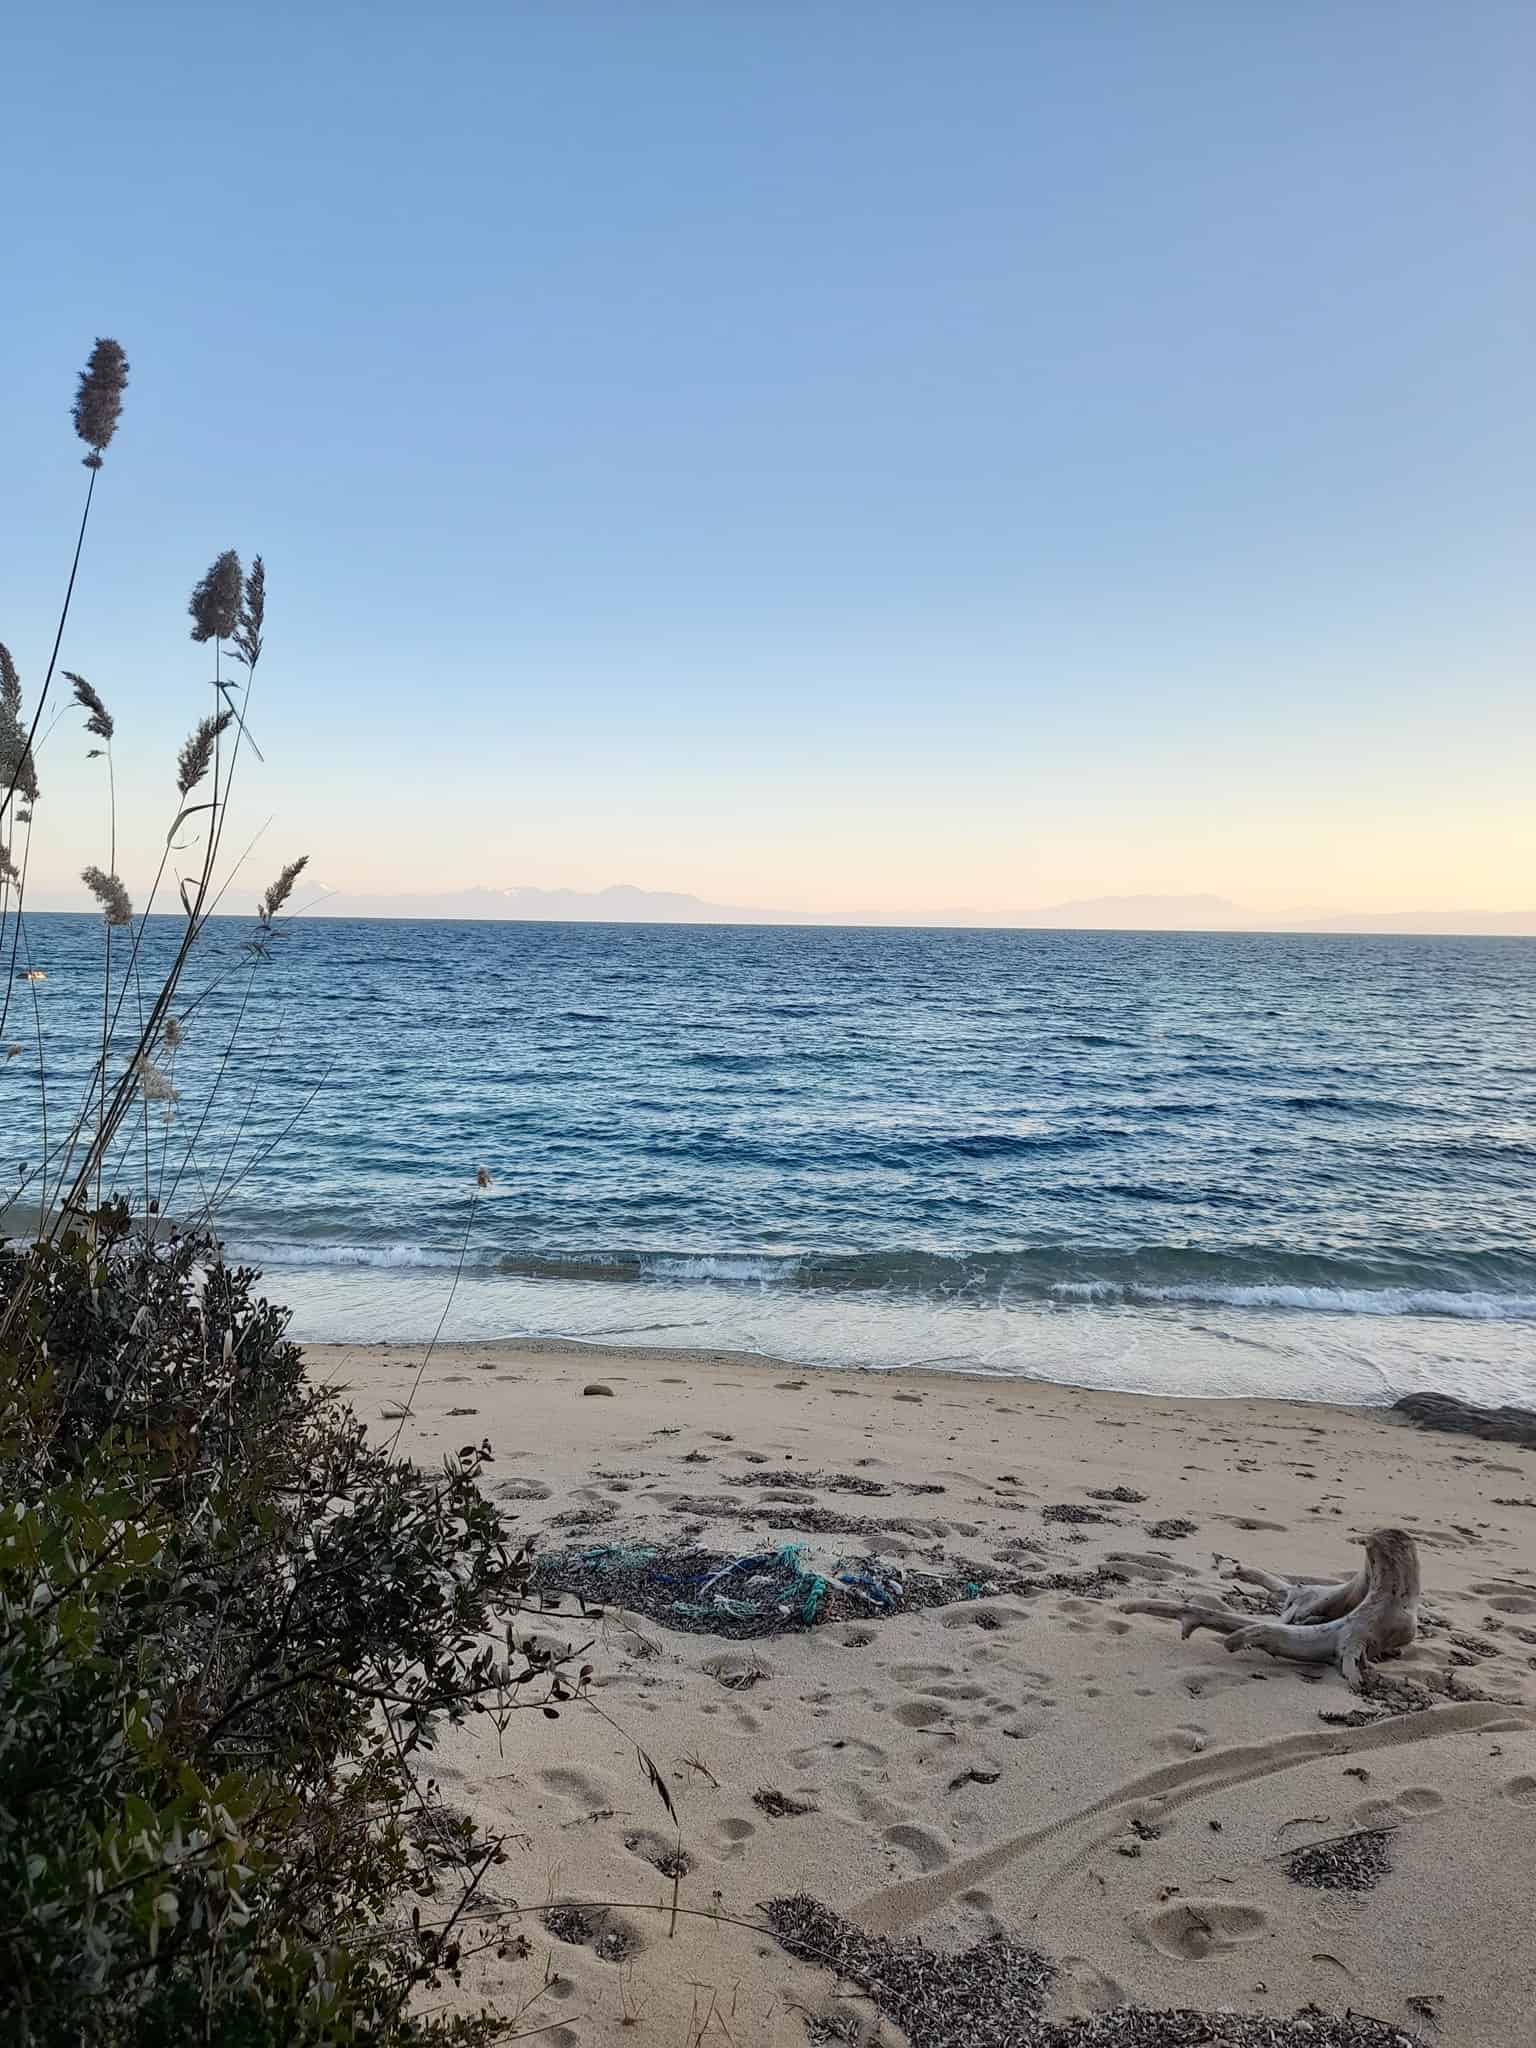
1484, 1286
316, 1252
1480, 1285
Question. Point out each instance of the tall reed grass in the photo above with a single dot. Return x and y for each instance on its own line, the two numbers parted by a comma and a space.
230, 1622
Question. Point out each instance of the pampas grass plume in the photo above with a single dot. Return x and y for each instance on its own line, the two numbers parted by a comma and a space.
246, 640
215, 603
281, 889
100, 720
110, 894
197, 751
99, 400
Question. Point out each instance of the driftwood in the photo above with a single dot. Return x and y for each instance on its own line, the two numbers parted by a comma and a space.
1349, 1622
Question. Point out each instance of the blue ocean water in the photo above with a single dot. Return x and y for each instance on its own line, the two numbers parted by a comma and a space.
1219, 1163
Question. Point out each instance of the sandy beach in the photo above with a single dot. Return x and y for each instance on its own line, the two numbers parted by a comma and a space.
1026, 1759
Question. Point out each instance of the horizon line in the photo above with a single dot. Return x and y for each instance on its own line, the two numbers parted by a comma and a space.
1337, 928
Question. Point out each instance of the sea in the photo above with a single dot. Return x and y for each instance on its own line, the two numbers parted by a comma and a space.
1193, 1164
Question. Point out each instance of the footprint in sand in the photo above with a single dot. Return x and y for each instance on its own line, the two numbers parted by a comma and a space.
1022, 1731
738, 1670
521, 1489
661, 1852
864, 1805
921, 1714
847, 1749
1414, 1802
1144, 1566
1522, 1790
1189, 1739
1084, 1988
585, 1788
1201, 1684
923, 1846
1191, 1929
1505, 1598
987, 1618
598, 1928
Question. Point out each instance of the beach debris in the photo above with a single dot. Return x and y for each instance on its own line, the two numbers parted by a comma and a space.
591, 1517
779, 1805
1171, 1530
597, 1387
760, 1593
590, 1927
1348, 1622
837, 2024
1126, 1495
831, 1482
820, 1521
670, 1858
1072, 1511
444, 1834
974, 1777
993, 1996
1355, 1862
736, 1671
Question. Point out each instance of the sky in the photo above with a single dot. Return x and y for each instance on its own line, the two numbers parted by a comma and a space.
864, 457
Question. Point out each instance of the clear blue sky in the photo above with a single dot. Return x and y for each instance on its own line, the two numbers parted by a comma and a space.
870, 455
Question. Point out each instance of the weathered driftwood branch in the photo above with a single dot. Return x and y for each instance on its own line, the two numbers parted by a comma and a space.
1349, 1622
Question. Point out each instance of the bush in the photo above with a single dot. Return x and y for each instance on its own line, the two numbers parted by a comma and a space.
226, 1622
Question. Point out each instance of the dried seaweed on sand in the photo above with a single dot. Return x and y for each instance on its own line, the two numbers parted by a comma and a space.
992, 1996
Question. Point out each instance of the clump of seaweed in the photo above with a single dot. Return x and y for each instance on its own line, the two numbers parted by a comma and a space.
993, 1996
1355, 1862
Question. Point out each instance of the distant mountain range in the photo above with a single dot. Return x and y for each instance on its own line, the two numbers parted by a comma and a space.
620, 904
625, 904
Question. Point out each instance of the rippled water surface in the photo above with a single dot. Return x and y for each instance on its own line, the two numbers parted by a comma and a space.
1306, 1164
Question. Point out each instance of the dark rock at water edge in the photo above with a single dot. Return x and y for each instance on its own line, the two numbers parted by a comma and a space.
1444, 1411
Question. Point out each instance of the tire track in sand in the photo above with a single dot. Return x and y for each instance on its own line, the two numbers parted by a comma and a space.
898, 1906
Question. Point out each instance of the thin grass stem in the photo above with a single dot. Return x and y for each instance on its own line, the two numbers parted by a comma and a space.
69, 591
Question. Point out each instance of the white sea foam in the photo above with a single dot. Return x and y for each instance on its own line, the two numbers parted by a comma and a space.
729, 1266
1354, 1301
281, 1253
1338, 1301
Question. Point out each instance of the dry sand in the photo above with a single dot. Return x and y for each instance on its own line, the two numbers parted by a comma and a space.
1041, 1764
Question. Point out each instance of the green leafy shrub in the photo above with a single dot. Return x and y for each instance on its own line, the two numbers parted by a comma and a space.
227, 1620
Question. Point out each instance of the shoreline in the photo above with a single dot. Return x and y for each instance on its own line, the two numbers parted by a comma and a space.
708, 1358
1164, 1350
1023, 1758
